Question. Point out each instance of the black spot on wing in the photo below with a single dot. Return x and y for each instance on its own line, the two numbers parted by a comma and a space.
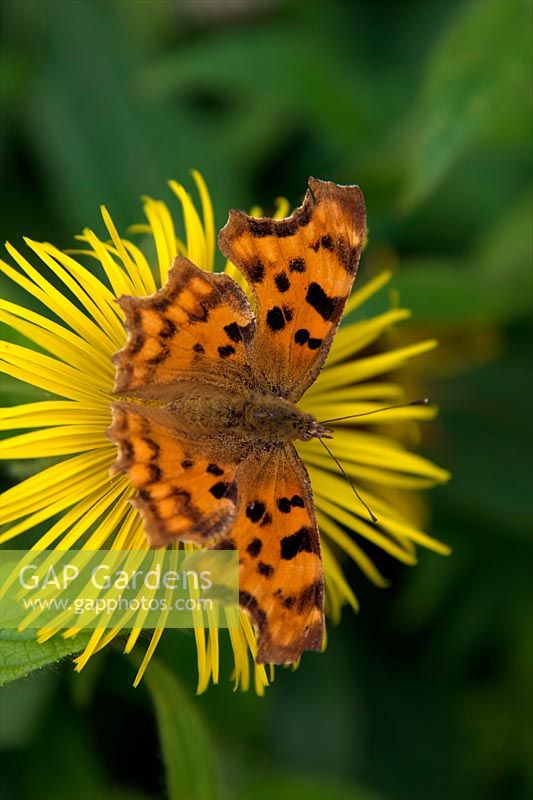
296, 265
226, 350
256, 270
161, 304
255, 510
224, 490
301, 336
282, 282
214, 469
284, 505
239, 333
265, 569
233, 332
255, 547
328, 307
296, 543
275, 319
198, 348
288, 313
225, 544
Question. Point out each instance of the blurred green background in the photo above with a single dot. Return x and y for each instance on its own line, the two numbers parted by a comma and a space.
427, 693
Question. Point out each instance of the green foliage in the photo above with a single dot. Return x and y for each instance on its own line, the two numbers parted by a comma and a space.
186, 748
20, 653
471, 89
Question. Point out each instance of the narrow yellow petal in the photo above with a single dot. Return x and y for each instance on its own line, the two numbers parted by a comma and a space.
141, 264
54, 300
364, 368
123, 254
59, 441
81, 498
208, 218
329, 527
52, 412
77, 346
351, 394
117, 277
107, 324
154, 641
351, 447
165, 249
49, 484
382, 477
196, 244
334, 497
48, 373
370, 288
100, 368
282, 208
335, 575
352, 338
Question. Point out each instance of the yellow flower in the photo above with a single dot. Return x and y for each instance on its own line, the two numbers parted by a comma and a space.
81, 327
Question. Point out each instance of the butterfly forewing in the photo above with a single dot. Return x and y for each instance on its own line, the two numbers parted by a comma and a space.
301, 270
199, 327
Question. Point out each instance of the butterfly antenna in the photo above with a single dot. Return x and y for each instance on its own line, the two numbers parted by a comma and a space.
423, 402
338, 463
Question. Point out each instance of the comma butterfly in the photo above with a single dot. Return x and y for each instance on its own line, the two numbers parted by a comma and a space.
207, 414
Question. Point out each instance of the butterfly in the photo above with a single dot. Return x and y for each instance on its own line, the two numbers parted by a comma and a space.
205, 418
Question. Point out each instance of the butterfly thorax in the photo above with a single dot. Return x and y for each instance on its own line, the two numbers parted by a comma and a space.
275, 419
210, 411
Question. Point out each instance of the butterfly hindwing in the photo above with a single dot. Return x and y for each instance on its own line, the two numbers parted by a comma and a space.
182, 493
199, 324
275, 531
301, 270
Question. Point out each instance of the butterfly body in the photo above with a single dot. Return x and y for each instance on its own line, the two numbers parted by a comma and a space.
206, 412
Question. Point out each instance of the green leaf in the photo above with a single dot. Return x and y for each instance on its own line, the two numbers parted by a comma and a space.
20, 653
476, 84
187, 750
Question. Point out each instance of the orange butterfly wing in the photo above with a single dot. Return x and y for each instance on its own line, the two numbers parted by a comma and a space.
181, 491
200, 329
281, 579
198, 325
301, 270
